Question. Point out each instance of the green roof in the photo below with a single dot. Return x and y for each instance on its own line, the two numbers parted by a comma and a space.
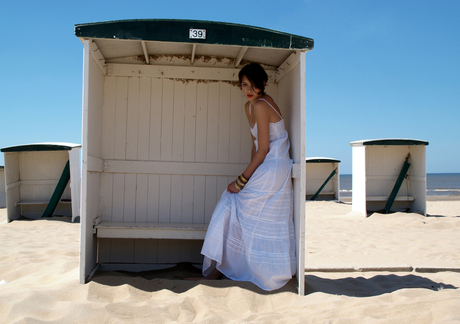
321, 160
41, 147
390, 141
173, 30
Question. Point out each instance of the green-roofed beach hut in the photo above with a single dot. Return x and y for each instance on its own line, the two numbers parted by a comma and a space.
322, 178
42, 179
164, 132
389, 175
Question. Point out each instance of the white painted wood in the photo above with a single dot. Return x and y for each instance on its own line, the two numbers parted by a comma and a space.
375, 171
186, 168
173, 72
97, 57
291, 96
316, 175
183, 231
75, 181
359, 180
146, 52
93, 86
240, 55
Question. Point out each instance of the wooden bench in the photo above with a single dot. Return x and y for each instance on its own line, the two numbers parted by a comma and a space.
131, 230
25, 203
385, 198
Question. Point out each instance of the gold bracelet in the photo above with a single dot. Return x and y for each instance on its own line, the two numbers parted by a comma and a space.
237, 186
243, 179
238, 181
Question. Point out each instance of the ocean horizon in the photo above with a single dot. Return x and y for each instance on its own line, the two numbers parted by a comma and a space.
438, 184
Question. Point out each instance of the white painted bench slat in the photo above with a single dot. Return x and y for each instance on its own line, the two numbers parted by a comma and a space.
181, 231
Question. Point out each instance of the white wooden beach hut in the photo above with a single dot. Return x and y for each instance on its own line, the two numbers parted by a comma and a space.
164, 132
389, 174
37, 181
322, 178
2, 187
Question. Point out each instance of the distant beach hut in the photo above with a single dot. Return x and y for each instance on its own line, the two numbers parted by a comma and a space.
322, 178
36, 178
389, 175
2, 187
164, 132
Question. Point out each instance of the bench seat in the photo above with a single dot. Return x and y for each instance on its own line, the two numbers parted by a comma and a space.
385, 198
131, 230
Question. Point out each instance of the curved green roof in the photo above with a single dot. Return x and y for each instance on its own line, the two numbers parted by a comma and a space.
390, 141
321, 160
173, 30
41, 147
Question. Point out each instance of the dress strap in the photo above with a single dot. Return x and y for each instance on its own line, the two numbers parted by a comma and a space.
268, 104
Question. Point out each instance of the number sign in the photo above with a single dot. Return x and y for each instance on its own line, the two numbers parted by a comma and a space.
197, 34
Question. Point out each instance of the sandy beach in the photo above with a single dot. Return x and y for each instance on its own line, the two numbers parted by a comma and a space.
395, 268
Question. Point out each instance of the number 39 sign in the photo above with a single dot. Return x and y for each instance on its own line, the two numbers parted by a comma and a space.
197, 34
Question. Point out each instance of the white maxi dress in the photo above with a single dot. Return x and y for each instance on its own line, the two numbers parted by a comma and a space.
251, 234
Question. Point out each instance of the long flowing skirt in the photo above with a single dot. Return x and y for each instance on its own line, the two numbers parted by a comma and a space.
251, 234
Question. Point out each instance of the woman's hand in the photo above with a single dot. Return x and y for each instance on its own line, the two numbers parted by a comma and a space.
232, 188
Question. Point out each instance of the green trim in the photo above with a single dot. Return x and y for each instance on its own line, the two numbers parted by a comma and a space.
390, 141
58, 191
324, 184
1, 167
397, 186
173, 30
321, 160
40, 147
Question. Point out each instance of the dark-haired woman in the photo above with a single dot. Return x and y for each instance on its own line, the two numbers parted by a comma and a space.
251, 233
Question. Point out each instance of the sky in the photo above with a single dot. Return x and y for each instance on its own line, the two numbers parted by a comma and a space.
379, 68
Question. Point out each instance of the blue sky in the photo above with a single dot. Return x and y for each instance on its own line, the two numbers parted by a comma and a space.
379, 69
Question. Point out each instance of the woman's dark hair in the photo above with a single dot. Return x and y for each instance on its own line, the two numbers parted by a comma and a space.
255, 74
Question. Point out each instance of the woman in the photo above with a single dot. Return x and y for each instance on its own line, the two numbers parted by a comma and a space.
251, 233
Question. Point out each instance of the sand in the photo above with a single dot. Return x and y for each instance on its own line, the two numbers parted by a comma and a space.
396, 268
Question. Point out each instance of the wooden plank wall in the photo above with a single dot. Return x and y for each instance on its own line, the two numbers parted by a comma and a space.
153, 119
317, 173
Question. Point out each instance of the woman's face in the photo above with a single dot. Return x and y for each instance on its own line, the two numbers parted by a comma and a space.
250, 92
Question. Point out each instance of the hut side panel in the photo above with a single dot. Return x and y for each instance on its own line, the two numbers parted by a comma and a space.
2, 188
93, 97
12, 185
291, 96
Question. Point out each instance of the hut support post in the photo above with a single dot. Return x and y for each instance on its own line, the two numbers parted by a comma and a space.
397, 185
62, 183
324, 184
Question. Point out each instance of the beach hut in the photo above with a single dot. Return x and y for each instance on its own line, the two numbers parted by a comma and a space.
389, 175
2, 187
164, 132
37, 180
322, 178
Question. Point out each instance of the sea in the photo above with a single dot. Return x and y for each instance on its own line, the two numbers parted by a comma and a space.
438, 184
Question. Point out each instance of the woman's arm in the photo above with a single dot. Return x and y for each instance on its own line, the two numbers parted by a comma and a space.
262, 118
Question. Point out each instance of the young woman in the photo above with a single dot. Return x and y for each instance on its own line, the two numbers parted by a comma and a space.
251, 233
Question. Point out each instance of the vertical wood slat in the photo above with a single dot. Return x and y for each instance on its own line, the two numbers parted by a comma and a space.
178, 121
167, 116
121, 107
144, 119
201, 122
156, 99
190, 121
223, 142
212, 122
132, 115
